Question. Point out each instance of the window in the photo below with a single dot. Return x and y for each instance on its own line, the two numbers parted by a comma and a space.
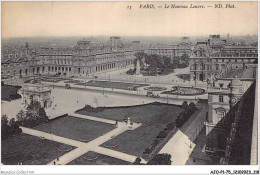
221, 99
217, 66
221, 114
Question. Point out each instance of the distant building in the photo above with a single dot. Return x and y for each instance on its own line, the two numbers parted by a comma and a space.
209, 59
172, 51
84, 59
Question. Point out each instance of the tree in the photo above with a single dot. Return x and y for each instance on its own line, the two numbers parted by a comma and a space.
4, 127
137, 161
139, 56
14, 127
162, 134
131, 71
160, 159
9, 128
35, 115
170, 126
168, 63
21, 117
192, 107
147, 151
4, 120
42, 114
12, 122
184, 105
185, 57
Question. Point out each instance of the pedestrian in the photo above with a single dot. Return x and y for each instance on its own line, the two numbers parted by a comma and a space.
54, 163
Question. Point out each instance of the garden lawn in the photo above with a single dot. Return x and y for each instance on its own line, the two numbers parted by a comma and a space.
154, 116
29, 150
101, 160
110, 84
76, 128
185, 77
7, 91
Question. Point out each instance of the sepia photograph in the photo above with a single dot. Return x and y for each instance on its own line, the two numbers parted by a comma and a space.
129, 83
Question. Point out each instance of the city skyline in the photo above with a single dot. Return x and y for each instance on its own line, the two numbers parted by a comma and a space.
47, 19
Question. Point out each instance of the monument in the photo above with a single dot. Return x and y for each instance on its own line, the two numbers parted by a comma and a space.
138, 68
36, 92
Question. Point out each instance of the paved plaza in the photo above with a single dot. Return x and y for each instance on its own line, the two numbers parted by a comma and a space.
67, 101
121, 75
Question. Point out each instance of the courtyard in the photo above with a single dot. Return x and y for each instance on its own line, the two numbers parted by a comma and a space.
123, 76
84, 141
154, 117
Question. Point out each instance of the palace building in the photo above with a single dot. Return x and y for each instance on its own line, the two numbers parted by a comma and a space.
172, 51
84, 59
210, 58
231, 131
225, 92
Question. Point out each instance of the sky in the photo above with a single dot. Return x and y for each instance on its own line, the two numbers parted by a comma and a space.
41, 19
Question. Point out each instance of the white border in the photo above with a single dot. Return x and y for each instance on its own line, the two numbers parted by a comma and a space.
131, 169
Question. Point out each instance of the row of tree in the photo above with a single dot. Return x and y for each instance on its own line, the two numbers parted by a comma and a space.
160, 137
165, 159
189, 109
33, 116
157, 64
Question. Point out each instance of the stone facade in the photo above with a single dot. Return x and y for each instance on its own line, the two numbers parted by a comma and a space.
172, 51
83, 59
221, 99
210, 58
36, 92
